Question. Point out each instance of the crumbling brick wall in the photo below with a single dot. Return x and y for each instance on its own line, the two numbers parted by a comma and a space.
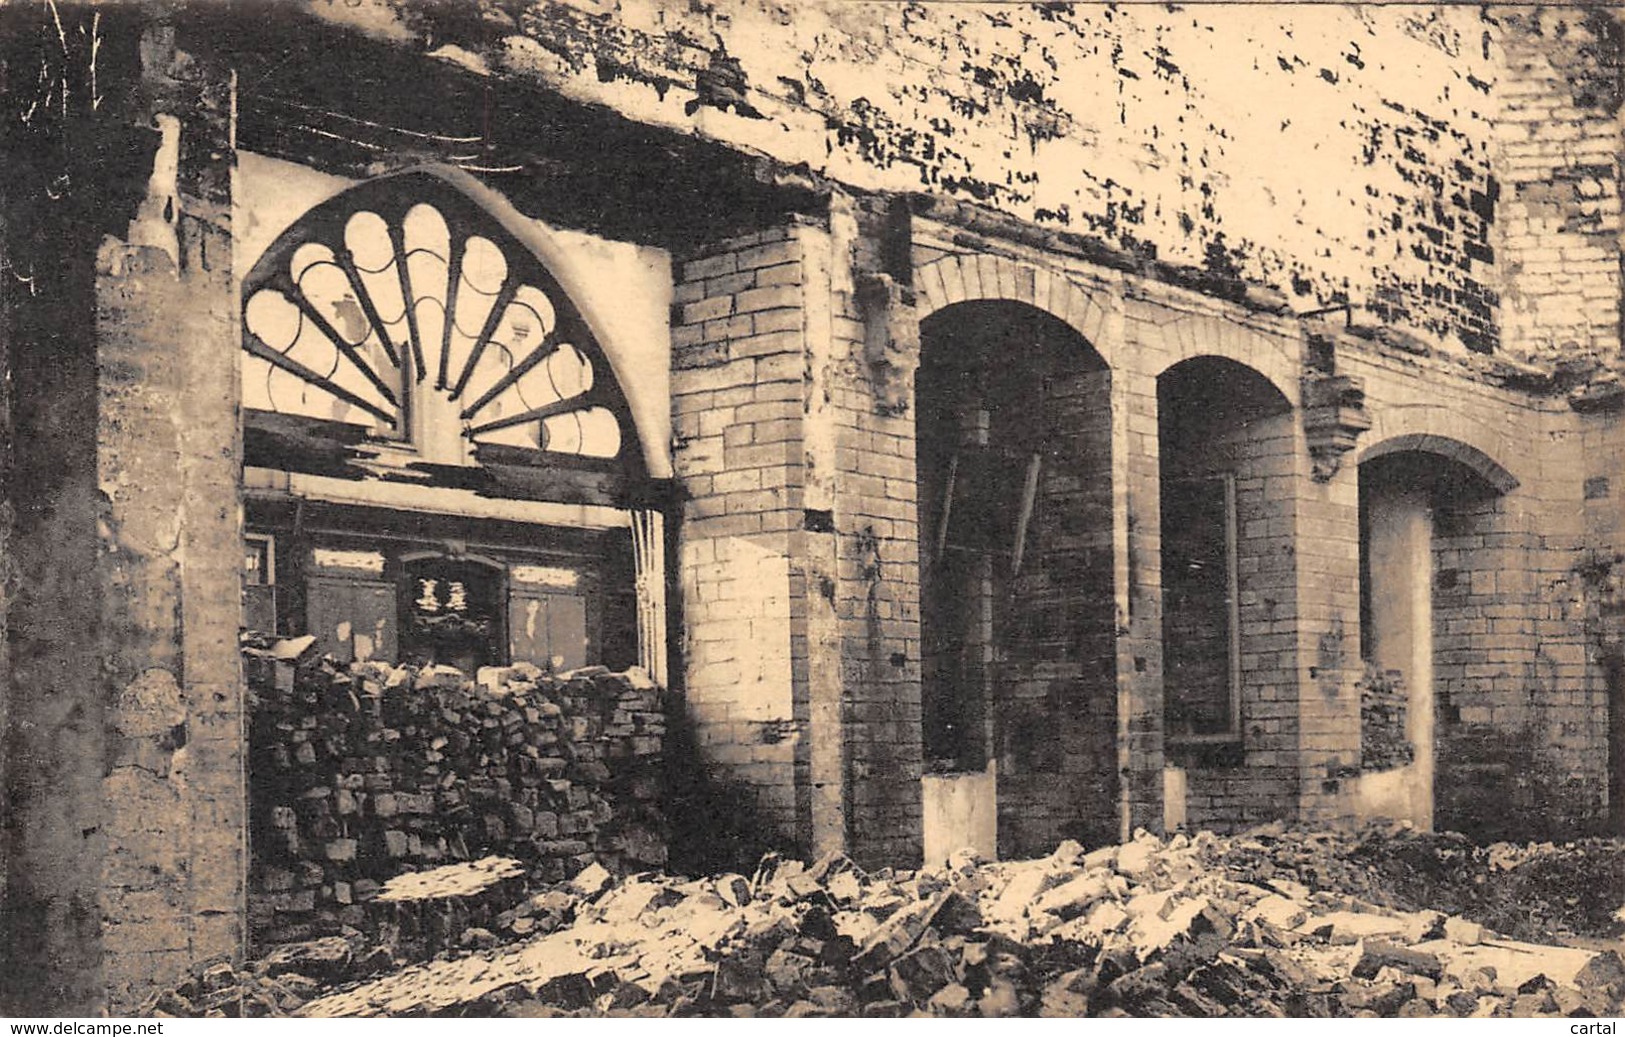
1556, 149
1237, 424
361, 773
123, 773
1384, 744
1338, 151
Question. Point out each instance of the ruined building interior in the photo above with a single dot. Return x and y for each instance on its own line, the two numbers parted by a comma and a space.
990, 425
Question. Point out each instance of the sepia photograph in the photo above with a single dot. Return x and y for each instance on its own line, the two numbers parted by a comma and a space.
841, 509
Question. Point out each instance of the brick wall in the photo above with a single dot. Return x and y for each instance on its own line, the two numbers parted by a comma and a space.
1593, 590
873, 499
1520, 707
737, 406
1367, 172
1556, 148
1058, 777
1237, 426
798, 546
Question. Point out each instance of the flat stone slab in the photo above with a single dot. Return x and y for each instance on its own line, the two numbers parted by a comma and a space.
464, 879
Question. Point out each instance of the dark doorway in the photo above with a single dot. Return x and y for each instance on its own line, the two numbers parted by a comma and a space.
1016, 586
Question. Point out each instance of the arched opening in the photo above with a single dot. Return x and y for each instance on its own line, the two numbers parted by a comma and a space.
1225, 448
1016, 596
1431, 576
417, 381
441, 467
403, 315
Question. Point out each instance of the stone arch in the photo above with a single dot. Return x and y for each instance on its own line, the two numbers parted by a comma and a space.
1226, 553
1016, 495
1189, 336
1471, 457
969, 278
1434, 537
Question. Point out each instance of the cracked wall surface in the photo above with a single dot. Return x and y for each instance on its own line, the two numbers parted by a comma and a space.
124, 800
1325, 152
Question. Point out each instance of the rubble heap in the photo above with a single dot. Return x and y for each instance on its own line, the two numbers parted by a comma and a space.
1201, 926
361, 773
1536, 892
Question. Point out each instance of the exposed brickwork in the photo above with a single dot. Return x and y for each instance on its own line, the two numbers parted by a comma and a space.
1557, 142
1137, 564
366, 772
737, 406
876, 585
1060, 116
750, 550
1384, 743
1511, 665
1250, 437
1327, 638
1059, 752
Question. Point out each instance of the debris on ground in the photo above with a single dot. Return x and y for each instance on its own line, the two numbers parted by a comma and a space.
1265, 923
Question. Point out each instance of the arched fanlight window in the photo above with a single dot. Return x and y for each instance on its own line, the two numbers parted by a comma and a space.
401, 302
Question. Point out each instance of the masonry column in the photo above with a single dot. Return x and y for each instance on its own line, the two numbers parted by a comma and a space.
1137, 546
125, 800
738, 402
1325, 555
868, 408
170, 559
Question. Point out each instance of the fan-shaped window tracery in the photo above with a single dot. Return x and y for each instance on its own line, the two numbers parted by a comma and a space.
401, 296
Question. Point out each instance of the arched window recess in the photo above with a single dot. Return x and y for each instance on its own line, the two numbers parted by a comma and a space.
404, 319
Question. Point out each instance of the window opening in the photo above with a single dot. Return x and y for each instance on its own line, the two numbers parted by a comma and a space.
259, 583
401, 304
1201, 622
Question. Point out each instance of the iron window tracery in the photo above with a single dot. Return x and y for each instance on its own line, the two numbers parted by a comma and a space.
403, 293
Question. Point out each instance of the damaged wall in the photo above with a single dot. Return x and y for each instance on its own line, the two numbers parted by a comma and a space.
124, 795
1139, 126
1519, 708
1557, 144
167, 456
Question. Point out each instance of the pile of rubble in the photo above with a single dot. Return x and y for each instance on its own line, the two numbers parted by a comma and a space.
1536, 892
1199, 926
361, 773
